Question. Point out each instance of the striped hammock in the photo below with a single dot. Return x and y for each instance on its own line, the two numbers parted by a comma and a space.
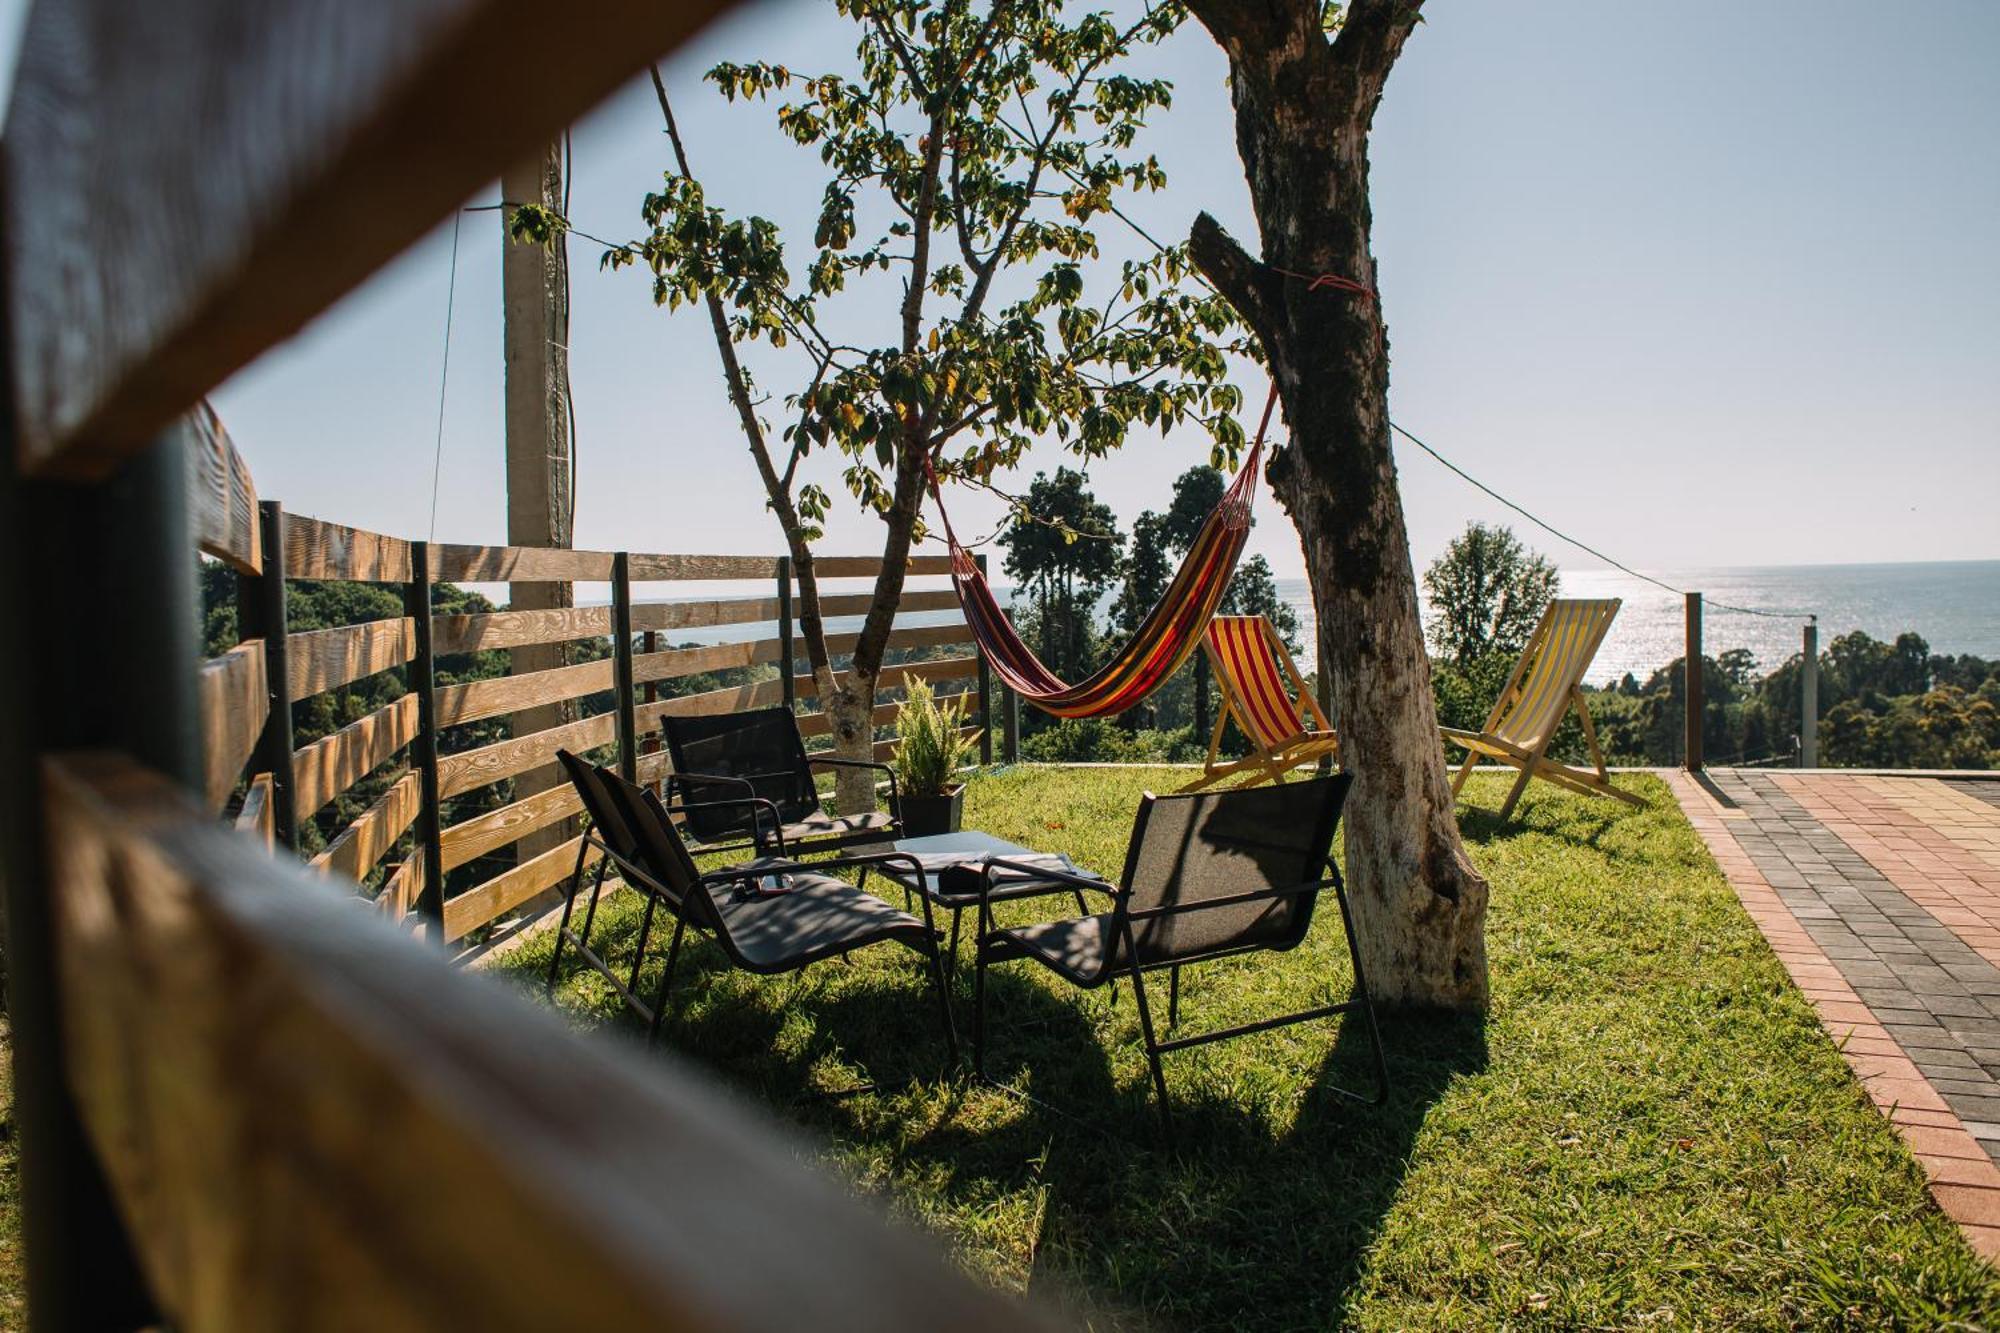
1167, 638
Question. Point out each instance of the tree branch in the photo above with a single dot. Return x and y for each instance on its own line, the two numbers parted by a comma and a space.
1256, 290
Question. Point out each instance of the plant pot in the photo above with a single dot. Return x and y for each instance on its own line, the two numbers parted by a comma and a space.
928, 816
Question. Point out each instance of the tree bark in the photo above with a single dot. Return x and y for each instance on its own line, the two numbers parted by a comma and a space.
1304, 103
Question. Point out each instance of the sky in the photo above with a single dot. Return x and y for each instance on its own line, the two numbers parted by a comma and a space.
1705, 284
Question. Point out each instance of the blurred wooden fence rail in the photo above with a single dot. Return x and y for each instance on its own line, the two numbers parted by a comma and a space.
242, 1103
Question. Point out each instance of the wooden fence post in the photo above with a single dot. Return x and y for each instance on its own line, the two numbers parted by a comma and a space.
649, 644
424, 748
1201, 698
985, 688
1809, 697
787, 662
62, 686
621, 665
1010, 712
1693, 705
261, 614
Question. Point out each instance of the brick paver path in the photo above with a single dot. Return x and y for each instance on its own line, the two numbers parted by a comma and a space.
1882, 897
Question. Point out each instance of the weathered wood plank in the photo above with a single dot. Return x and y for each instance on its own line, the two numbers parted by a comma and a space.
728, 699
222, 498
401, 890
475, 837
368, 839
316, 549
868, 566
257, 815
450, 1155
647, 567
476, 699
187, 184
500, 895
819, 724
695, 614
516, 629
325, 659
894, 677
332, 764
234, 699
857, 603
469, 769
517, 564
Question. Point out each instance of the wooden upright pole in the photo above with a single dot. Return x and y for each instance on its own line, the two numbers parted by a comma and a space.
535, 306
1809, 697
1692, 667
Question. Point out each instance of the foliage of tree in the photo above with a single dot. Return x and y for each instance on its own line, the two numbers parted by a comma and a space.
966, 153
1063, 551
1486, 592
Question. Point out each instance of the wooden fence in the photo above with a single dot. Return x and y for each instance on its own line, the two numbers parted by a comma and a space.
241, 1102
247, 694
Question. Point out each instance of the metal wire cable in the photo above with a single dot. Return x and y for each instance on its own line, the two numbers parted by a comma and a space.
444, 374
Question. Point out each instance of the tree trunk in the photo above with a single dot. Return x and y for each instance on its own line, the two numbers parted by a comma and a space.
1304, 103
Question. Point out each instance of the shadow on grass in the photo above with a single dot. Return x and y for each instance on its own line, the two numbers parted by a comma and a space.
1257, 1213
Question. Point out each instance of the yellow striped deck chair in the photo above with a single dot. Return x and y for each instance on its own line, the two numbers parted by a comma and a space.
1545, 686
1264, 693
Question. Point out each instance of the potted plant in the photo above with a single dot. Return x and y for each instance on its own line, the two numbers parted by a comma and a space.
930, 749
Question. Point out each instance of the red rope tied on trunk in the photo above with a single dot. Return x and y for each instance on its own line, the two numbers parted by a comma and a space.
1316, 281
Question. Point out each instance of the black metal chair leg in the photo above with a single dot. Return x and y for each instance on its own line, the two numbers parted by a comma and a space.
943, 997
666, 982
1174, 996
569, 905
1152, 1050
951, 949
1361, 995
979, 1012
596, 896
645, 937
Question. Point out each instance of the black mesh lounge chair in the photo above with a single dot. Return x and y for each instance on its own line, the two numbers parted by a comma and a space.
1206, 876
722, 759
768, 916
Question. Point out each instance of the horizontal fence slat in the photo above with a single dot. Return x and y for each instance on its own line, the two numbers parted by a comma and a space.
325, 659
820, 724
517, 564
258, 816
401, 890
709, 703
912, 600
887, 749
447, 1154
896, 677
868, 566
342, 134
332, 764
470, 769
234, 699
677, 662
475, 837
476, 699
647, 567
368, 839
699, 614
516, 629
222, 498
507, 890
316, 549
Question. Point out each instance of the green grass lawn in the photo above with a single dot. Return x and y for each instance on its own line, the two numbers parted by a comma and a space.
1649, 1128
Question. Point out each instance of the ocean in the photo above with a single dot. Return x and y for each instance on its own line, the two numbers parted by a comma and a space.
1955, 605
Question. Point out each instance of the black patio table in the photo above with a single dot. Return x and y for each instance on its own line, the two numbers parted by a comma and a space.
970, 848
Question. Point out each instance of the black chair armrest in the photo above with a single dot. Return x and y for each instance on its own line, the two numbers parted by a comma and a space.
758, 805
1235, 900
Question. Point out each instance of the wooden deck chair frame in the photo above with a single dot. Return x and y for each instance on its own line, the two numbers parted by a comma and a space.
1533, 760
1264, 763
